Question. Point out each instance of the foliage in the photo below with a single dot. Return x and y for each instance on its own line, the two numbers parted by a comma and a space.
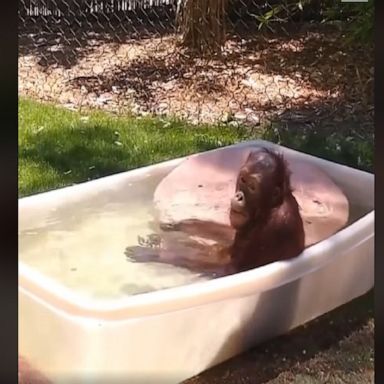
358, 17
350, 150
361, 22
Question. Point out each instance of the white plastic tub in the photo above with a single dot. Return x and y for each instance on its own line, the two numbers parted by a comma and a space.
169, 335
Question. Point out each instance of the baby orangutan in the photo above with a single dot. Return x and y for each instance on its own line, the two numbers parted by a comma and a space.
264, 213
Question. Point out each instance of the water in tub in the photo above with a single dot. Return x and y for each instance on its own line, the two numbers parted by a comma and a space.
82, 244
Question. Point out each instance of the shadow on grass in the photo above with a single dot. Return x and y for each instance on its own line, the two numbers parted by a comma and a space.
349, 142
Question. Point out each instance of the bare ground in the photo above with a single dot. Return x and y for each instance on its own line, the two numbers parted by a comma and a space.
307, 69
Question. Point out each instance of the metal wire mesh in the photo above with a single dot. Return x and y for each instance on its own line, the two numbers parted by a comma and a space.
126, 56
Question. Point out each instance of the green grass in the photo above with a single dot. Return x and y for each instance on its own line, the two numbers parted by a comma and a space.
58, 147
335, 142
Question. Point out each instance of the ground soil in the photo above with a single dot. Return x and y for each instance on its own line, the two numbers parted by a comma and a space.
298, 70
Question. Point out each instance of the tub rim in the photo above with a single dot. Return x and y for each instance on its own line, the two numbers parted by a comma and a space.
58, 297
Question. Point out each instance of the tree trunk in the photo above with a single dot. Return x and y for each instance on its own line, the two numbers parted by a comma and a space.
202, 24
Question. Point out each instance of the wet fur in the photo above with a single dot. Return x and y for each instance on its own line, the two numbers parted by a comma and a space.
272, 232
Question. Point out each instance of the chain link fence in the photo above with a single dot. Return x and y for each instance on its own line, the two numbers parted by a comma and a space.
127, 56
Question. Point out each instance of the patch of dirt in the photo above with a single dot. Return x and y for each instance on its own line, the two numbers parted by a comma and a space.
257, 75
